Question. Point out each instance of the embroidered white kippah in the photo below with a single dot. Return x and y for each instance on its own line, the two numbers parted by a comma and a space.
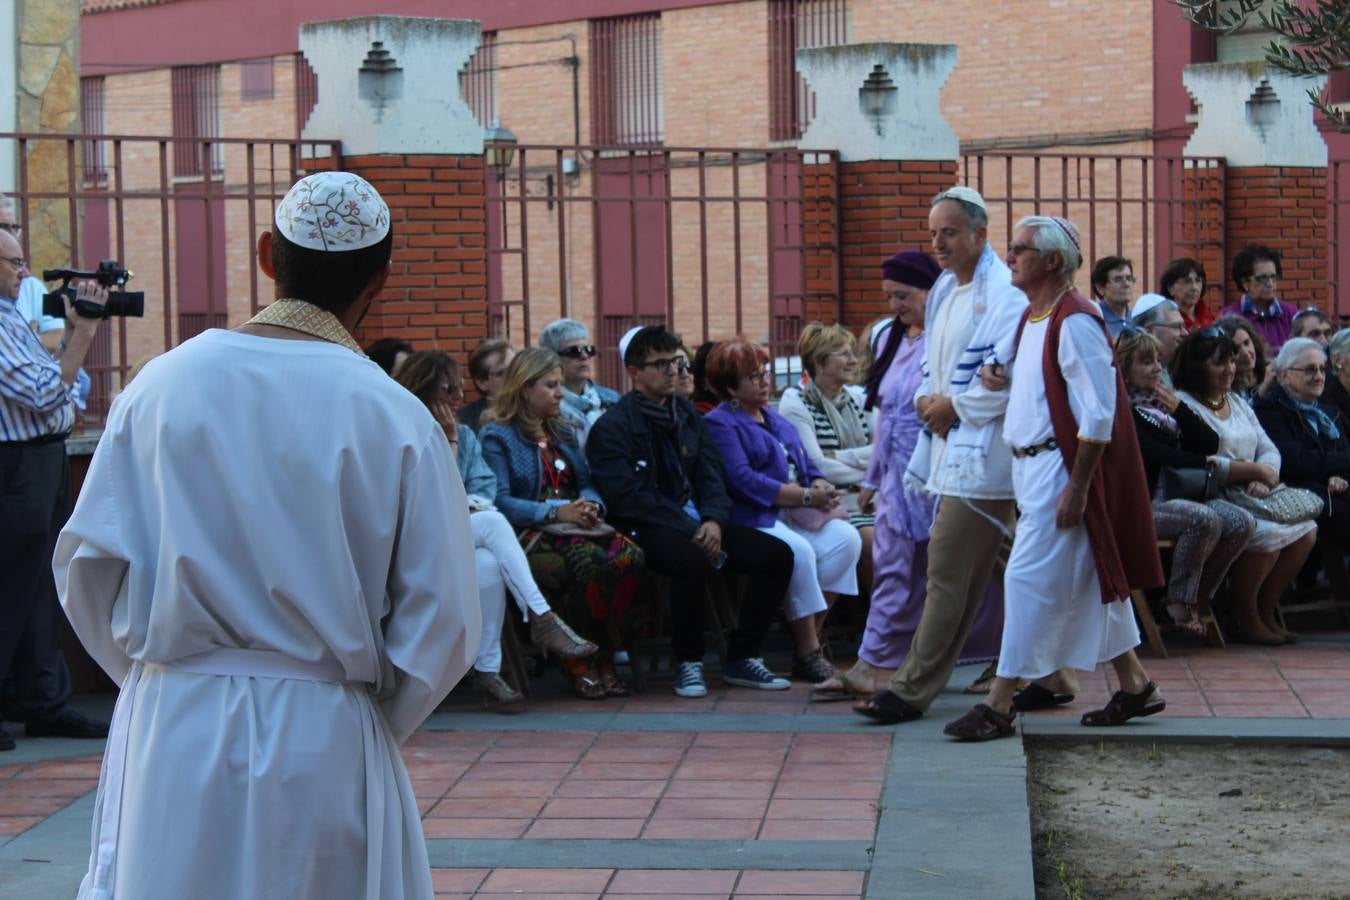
963, 193
333, 212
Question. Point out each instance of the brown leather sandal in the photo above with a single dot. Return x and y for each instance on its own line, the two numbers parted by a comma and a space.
982, 723
1124, 706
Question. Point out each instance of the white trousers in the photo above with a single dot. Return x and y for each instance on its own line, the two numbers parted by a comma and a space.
501, 566
824, 560
1053, 615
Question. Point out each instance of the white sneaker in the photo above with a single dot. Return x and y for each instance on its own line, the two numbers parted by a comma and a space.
689, 680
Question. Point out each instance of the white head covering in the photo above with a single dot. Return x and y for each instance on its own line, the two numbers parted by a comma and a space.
1145, 303
333, 212
961, 192
628, 339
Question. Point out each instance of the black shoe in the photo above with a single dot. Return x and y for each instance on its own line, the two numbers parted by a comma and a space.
6, 740
66, 722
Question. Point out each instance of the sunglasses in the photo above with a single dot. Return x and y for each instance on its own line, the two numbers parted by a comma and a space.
580, 351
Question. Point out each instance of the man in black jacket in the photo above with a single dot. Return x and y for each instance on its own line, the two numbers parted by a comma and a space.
660, 474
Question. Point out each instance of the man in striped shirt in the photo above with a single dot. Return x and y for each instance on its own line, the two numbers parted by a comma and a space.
37, 411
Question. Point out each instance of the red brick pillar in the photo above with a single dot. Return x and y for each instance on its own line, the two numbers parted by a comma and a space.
1283, 207
883, 209
436, 296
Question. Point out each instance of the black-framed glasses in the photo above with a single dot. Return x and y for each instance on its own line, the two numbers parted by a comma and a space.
763, 376
1019, 249
1308, 370
11, 227
580, 351
665, 365
1265, 278
17, 262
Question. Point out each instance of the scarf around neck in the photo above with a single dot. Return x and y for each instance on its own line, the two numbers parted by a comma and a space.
845, 417
1148, 406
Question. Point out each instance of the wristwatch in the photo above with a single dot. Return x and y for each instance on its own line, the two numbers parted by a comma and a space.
806, 497
551, 517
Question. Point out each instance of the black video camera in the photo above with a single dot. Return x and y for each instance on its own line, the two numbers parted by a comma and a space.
110, 274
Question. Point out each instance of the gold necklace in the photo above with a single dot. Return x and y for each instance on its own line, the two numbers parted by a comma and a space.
1215, 405
1053, 303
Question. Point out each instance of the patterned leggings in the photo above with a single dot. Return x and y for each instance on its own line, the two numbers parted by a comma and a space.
1209, 536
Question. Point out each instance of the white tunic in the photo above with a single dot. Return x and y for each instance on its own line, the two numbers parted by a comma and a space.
1053, 611
284, 512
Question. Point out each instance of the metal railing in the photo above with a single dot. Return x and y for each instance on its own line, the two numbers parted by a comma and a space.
714, 242
190, 241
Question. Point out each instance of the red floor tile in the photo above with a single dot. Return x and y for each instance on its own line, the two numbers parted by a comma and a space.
47, 787
831, 772
585, 829
785, 884
818, 830
741, 790
607, 808
532, 755
667, 881
487, 808
710, 808
466, 880
598, 788
821, 809
1254, 711
498, 788
727, 771
741, 739
12, 825
828, 790
635, 771
634, 754
504, 881
31, 806
517, 771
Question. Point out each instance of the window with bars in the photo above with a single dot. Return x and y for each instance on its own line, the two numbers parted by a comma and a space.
798, 25
93, 162
627, 81
478, 81
306, 92
196, 114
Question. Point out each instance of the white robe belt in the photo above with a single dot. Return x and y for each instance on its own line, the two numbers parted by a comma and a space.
222, 661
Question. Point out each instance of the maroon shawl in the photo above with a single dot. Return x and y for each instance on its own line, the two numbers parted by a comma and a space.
1119, 515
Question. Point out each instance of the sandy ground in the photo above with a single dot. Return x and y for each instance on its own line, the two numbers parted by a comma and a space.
1190, 821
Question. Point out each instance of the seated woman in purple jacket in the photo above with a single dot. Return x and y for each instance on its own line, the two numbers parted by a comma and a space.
768, 477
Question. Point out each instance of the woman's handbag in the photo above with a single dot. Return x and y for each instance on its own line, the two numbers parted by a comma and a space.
1198, 484
812, 519
1284, 505
530, 536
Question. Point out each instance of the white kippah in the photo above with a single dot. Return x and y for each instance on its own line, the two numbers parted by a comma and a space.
628, 339
963, 193
333, 212
1145, 303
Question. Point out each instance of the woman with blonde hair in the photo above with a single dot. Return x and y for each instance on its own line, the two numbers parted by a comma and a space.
434, 378
544, 489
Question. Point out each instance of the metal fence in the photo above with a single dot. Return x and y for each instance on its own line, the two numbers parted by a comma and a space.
189, 241
714, 242
1150, 209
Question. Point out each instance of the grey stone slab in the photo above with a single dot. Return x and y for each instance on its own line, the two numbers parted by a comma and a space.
1186, 730
702, 721
48, 860
954, 818
650, 854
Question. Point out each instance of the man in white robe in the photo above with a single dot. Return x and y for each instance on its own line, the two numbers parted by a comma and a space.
272, 556
1065, 559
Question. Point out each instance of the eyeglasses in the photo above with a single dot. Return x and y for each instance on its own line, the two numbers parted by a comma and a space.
1175, 326
1122, 280
844, 354
763, 376
665, 365
1308, 370
1267, 278
580, 351
17, 262
11, 227
1019, 249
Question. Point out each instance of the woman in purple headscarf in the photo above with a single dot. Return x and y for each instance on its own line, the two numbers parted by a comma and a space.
903, 515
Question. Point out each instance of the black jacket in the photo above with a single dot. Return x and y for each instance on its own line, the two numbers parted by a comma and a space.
1189, 450
626, 467
1307, 459
1335, 400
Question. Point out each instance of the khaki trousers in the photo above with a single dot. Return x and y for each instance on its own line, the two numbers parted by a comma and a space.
961, 554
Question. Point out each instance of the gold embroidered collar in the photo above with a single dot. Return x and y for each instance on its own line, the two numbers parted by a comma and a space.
302, 316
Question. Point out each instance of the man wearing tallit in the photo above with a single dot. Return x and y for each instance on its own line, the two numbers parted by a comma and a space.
271, 555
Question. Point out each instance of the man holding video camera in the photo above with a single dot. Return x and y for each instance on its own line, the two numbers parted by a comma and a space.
37, 412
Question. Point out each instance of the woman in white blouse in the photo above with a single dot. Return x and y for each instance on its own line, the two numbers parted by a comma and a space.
1203, 371
827, 411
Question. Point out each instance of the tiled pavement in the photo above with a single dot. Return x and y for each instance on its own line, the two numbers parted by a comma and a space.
738, 795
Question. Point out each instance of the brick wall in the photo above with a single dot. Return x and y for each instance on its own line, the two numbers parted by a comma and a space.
436, 296
1284, 208
884, 208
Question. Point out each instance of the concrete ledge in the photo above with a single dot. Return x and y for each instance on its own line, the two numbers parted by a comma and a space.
1178, 730
650, 854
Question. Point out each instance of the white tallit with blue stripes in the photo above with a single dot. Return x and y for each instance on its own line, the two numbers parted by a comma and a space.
973, 461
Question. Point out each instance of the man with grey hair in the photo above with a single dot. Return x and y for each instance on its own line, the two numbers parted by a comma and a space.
1084, 539
584, 401
972, 314
31, 290
1310, 323
1162, 319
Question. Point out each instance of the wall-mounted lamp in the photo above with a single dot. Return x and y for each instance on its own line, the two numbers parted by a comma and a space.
877, 96
1263, 108
499, 147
